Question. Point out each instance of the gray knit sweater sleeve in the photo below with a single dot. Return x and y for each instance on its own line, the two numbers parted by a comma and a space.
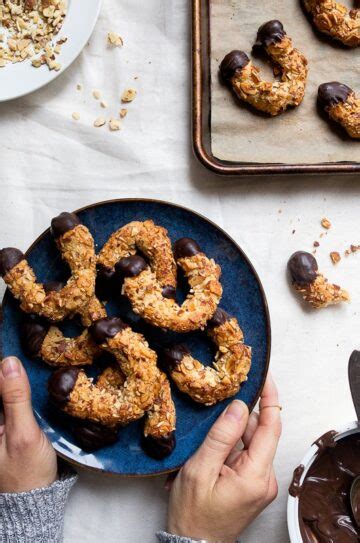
163, 537
36, 516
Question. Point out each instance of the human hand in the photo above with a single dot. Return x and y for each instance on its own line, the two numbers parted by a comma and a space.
27, 459
221, 489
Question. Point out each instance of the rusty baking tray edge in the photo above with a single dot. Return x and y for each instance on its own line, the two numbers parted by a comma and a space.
201, 114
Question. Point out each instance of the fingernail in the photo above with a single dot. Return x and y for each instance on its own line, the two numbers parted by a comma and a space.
236, 410
11, 367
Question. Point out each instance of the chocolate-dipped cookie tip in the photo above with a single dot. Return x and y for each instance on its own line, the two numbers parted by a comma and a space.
332, 93
159, 448
9, 257
61, 385
91, 436
269, 33
106, 328
184, 247
303, 267
131, 266
169, 292
220, 317
33, 333
232, 62
63, 223
173, 355
53, 286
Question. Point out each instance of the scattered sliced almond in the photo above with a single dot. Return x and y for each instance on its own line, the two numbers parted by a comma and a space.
335, 257
76, 116
100, 121
114, 39
123, 113
325, 223
96, 94
103, 104
114, 124
128, 95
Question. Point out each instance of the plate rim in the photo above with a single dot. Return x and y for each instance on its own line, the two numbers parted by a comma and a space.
157, 473
63, 70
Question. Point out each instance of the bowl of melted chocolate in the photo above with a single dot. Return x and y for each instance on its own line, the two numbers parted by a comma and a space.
319, 508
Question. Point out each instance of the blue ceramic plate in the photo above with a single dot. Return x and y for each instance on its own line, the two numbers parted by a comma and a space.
243, 297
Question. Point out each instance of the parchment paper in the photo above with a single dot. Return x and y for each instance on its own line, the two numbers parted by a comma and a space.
299, 135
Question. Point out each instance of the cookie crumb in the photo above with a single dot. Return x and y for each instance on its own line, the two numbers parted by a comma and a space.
78, 87
335, 257
114, 39
316, 244
103, 104
325, 223
114, 125
76, 116
100, 121
128, 95
123, 112
96, 94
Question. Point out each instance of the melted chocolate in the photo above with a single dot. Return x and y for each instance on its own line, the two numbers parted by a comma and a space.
169, 292
330, 94
231, 63
173, 355
159, 448
106, 328
269, 33
326, 441
294, 488
220, 317
61, 384
131, 266
302, 267
92, 436
185, 247
63, 223
9, 257
33, 333
53, 286
324, 506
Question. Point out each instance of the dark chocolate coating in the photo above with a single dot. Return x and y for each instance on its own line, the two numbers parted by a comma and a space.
131, 266
106, 328
106, 283
173, 355
61, 384
169, 292
9, 257
63, 223
303, 267
220, 317
92, 436
269, 33
330, 94
159, 448
232, 62
33, 333
185, 247
324, 496
53, 286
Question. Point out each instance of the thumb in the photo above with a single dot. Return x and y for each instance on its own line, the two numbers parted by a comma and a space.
16, 396
222, 438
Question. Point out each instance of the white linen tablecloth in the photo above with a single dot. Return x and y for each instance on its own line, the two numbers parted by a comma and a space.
50, 163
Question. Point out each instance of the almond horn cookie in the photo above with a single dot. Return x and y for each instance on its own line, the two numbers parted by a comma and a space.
311, 284
76, 245
209, 385
342, 105
336, 20
72, 391
40, 339
152, 241
160, 420
146, 295
245, 78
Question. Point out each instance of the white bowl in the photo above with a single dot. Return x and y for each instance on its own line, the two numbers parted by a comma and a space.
307, 461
